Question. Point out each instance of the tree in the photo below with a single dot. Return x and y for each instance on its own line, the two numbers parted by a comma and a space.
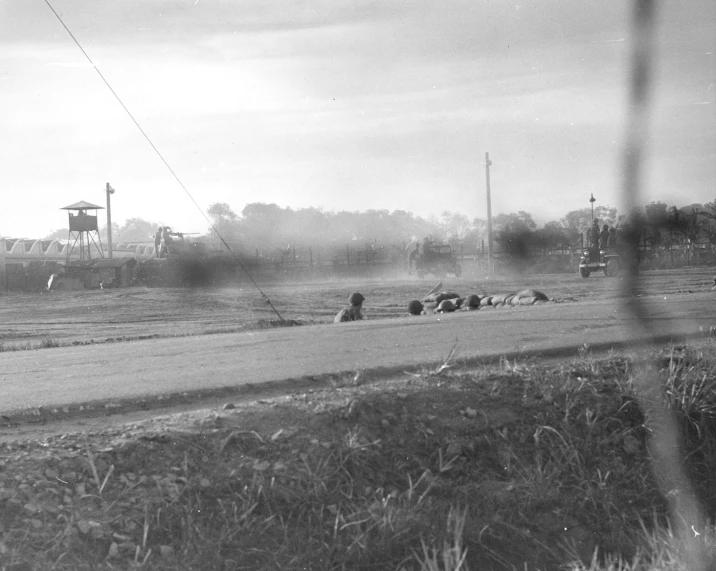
553, 236
655, 220
221, 212
682, 223
691, 214
116, 228
134, 230
477, 233
514, 222
60, 234
455, 225
224, 220
582, 219
515, 233
655, 213
579, 221
708, 221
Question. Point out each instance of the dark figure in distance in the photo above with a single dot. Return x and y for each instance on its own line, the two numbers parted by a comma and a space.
425, 250
594, 241
612, 237
413, 256
594, 233
158, 241
604, 237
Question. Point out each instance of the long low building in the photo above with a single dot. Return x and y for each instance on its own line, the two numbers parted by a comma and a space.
26, 264
23, 250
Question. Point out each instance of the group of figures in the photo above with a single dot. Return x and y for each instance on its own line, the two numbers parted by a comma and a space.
446, 302
419, 250
163, 238
603, 238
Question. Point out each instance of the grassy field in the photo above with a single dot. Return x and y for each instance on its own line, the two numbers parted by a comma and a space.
521, 466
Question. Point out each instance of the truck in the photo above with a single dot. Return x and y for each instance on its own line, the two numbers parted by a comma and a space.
439, 260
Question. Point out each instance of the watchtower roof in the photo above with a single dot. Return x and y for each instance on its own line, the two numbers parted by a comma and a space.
82, 205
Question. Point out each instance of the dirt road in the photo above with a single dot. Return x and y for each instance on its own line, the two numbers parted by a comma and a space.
67, 376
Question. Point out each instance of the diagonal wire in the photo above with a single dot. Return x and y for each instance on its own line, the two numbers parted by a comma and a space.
159, 154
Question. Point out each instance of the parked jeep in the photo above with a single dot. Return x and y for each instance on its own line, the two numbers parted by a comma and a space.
438, 260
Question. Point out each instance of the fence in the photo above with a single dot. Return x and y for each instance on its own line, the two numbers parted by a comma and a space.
352, 260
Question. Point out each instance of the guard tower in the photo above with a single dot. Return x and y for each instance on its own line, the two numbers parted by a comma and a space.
83, 230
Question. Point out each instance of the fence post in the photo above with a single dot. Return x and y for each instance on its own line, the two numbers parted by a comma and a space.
688, 252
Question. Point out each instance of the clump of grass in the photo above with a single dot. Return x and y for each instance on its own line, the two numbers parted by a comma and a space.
658, 550
44, 343
690, 392
517, 466
451, 555
48, 343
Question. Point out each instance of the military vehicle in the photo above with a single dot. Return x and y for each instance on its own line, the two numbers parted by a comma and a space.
439, 260
596, 260
181, 262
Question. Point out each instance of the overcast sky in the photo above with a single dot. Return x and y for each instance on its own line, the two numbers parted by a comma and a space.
344, 105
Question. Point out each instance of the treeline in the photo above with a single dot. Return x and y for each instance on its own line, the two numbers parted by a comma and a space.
264, 228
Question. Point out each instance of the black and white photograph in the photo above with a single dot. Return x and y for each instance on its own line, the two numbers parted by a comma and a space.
357, 285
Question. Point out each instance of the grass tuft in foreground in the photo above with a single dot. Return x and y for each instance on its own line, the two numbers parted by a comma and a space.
517, 466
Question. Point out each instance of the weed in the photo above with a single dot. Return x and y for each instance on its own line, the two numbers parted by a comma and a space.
552, 468
451, 555
48, 343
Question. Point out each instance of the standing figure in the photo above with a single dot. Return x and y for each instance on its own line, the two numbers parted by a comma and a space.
613, 237
413, 256
594, 234
158, 241
166, 239
425, 250
604, 237
594, 241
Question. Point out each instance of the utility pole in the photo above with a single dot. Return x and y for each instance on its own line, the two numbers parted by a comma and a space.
490, 261
592, 200
110, 190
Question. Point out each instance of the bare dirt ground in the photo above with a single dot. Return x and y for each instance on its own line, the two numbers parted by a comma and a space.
49, 468
63, 319
139, 313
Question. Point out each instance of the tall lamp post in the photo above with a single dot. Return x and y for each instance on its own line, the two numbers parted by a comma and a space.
592, 200
490, 260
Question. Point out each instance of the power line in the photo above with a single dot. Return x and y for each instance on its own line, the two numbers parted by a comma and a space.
166, 164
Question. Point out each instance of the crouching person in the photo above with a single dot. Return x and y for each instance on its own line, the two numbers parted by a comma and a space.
353, 312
